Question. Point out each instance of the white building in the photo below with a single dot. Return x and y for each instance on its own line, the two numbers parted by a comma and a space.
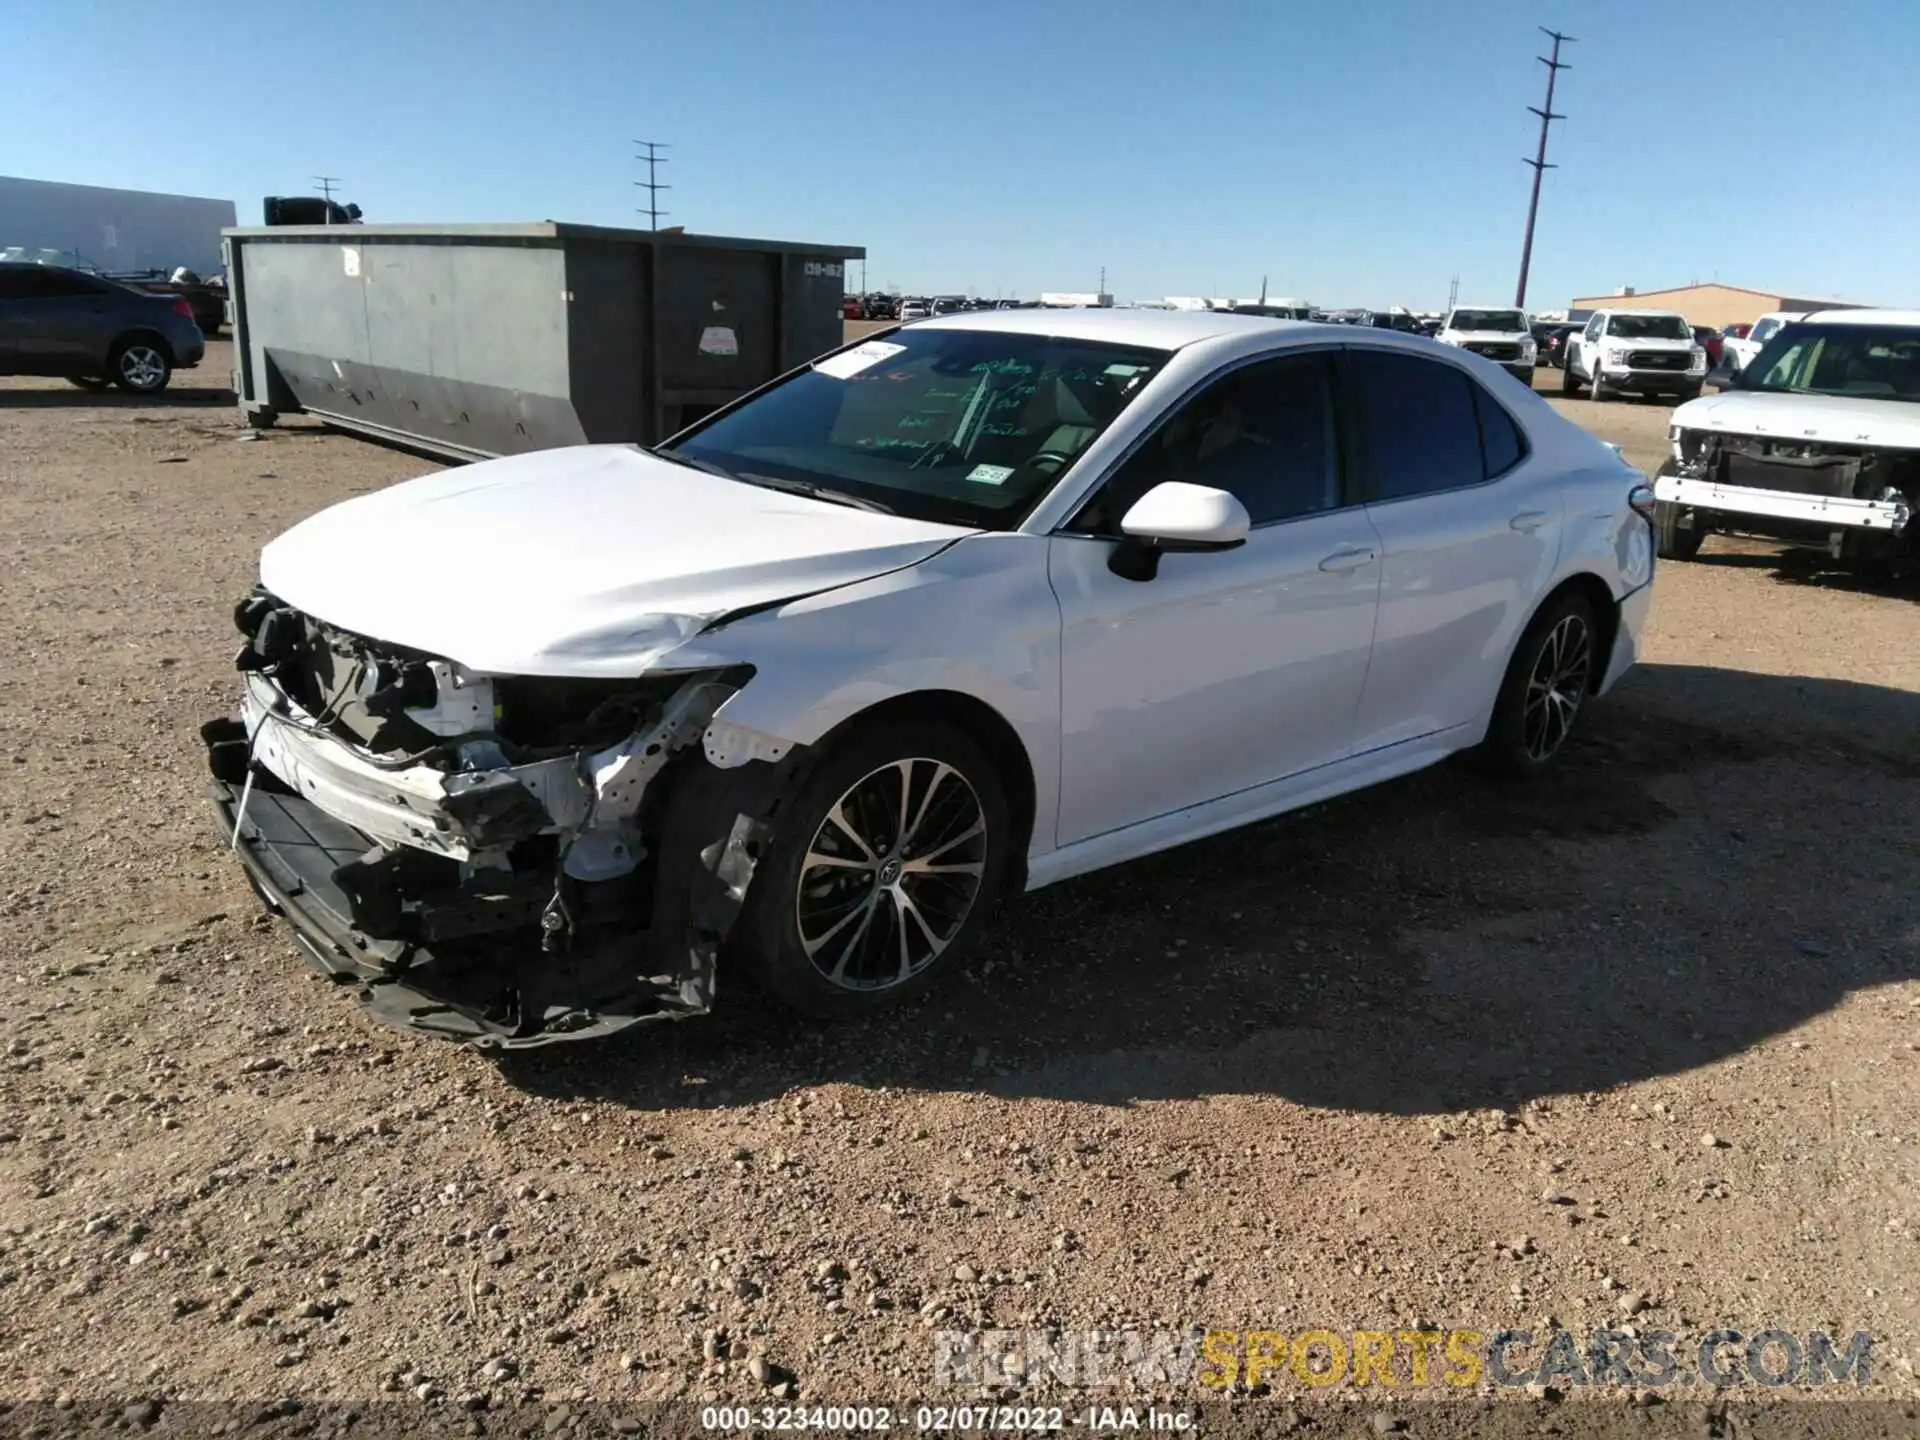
114, 229
1075, 300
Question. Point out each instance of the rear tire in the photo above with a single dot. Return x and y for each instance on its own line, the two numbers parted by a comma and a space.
846, 913
140, 367
1548, 681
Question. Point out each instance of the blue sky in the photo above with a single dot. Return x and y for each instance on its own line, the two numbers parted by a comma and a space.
1356, 152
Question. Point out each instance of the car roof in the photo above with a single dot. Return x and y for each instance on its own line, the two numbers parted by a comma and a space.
1149, 329
1863, 317
1635, 310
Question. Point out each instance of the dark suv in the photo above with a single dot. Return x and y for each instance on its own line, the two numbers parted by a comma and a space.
93, 331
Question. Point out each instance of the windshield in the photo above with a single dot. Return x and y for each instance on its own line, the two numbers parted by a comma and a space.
1507, 322
1765, 331
1648, 327
1878, 362
969, 427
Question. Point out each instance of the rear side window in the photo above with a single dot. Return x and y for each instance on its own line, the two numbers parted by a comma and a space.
1500, 439
35, 282
1419, 426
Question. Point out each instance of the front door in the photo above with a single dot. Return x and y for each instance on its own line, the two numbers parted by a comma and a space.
1231, 668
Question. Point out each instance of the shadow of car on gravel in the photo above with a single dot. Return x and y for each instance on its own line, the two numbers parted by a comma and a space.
1794, 565
78, 399
1430, 946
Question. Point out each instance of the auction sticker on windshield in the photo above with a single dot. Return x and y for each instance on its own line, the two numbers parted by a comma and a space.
849, 363
990, 474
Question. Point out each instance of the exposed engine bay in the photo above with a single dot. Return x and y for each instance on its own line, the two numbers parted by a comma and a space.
1856, 498
506, 860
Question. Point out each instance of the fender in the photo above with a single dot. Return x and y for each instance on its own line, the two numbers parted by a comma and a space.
979, 618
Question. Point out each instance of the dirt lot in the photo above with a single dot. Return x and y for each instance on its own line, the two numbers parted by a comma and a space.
1637, 1044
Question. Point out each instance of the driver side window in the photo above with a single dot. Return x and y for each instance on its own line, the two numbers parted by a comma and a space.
1264, 433
1595, 326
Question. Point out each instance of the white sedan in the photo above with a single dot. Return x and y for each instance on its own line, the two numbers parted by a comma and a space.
531, 750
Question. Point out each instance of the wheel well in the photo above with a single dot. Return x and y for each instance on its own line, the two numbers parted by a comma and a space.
1606, 614
154, 337
982, 724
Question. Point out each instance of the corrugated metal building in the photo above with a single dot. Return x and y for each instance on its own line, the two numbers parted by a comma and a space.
1713, 304
114, 229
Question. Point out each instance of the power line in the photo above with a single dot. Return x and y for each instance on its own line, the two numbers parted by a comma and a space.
326, 184
654, 160
1539, 161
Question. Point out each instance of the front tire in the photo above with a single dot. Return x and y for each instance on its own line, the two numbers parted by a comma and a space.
1671, 539
1596, 392
1547, 683
140, 367
1567, 384
883, 872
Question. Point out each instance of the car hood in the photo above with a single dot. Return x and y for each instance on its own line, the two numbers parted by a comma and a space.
1836, 420
1664, 342
590, 561
1497, 337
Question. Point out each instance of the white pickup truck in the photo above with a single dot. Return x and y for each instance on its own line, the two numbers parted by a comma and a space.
1817, 441
1737, 351
1634, 352
1498, 332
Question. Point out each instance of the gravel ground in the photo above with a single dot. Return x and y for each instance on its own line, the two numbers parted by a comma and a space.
1638, 1042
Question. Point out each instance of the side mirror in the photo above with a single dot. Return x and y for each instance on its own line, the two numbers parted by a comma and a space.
1176, 516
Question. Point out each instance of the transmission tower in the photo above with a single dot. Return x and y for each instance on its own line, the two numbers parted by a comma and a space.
654, 160
1539, 161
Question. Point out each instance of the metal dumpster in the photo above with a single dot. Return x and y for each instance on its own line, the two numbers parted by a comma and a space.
472, 341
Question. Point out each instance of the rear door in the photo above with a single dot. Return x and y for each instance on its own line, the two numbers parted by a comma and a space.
1470, 527
12, 290
59, 321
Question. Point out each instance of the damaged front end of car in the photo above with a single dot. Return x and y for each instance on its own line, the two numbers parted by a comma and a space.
502, 860
1857, 500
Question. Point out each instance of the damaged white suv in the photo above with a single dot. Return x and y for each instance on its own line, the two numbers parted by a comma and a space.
1817, 441
527, 750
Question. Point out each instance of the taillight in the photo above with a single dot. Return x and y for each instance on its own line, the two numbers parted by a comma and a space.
181, 307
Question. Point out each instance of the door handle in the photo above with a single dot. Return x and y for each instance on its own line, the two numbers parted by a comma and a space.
1528, 521
1342, 561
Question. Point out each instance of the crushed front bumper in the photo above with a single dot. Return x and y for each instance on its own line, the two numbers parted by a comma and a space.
498, 987
1887, 516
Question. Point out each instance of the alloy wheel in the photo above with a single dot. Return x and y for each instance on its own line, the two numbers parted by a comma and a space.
142, 367
891, 874
1557, 686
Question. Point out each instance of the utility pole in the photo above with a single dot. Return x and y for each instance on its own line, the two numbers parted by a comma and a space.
326, 184
1539, 161
1453, 294
654, 160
